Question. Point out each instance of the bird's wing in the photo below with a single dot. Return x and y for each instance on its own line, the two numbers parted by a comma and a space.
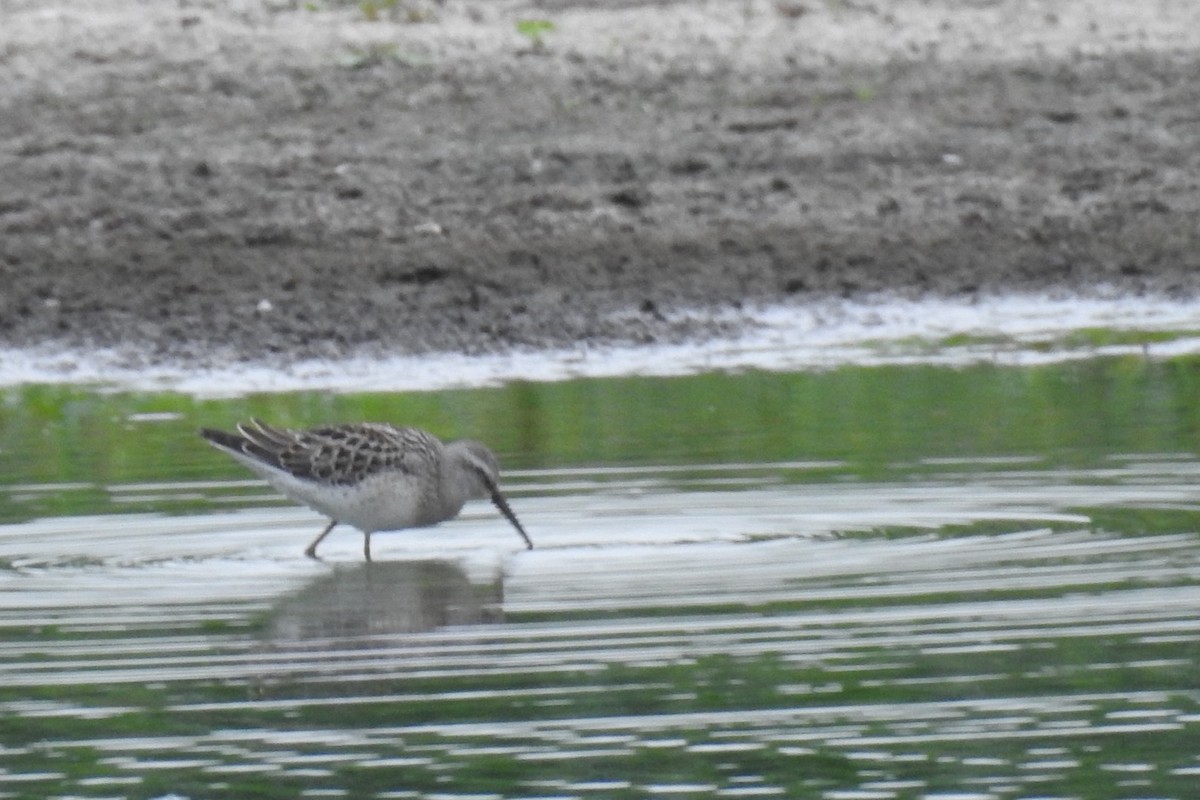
345, 454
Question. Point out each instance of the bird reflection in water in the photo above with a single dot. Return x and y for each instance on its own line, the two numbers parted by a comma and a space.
384, 599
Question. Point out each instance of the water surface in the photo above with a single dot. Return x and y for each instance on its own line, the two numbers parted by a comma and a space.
865, 583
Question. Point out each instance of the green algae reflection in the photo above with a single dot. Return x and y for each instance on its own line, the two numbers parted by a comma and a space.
872, 421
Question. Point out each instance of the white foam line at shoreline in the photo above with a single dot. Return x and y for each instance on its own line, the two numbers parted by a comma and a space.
1010, 330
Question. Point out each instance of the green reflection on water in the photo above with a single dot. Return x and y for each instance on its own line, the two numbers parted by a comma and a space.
869, 417
774, 754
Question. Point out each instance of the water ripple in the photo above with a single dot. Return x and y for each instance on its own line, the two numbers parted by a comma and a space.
781, 639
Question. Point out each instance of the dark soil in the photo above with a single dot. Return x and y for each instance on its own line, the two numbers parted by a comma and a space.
201, 183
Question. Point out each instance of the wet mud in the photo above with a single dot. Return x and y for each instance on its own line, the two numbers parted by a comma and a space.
211, 181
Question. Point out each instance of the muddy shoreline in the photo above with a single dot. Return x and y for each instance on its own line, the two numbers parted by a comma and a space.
243, 181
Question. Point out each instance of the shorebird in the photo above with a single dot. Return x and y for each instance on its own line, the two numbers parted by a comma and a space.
374, 476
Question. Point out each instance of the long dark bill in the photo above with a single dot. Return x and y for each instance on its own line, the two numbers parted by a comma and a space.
502, 504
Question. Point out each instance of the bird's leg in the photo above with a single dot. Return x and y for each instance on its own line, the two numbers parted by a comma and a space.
311, 550
367, 545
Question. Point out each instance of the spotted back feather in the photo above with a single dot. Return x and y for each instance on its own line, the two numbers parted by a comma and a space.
340, 455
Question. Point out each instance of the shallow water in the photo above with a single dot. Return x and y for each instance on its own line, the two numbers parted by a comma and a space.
954, 584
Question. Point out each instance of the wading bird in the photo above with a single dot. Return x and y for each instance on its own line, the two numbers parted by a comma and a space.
374, 476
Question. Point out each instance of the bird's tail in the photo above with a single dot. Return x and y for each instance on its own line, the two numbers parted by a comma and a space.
255, 439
